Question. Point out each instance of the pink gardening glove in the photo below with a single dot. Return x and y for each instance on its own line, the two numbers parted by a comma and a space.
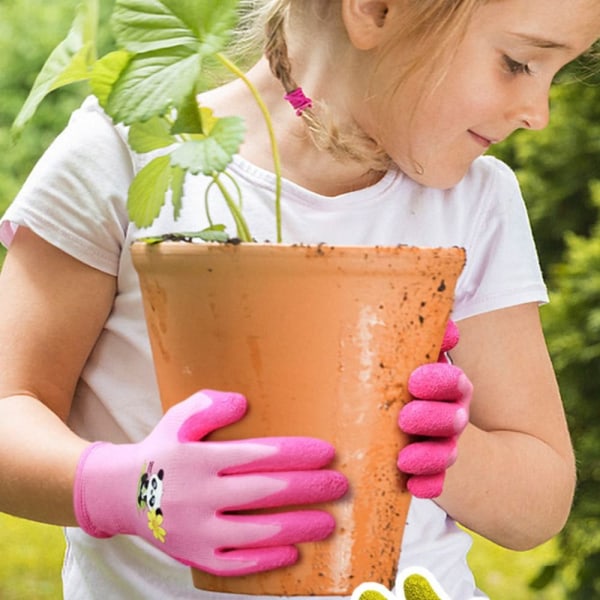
438, 414
182, 494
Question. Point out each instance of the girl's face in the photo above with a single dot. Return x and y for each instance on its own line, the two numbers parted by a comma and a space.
497, 82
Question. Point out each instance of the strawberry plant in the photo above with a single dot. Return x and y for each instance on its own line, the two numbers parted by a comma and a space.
165, 49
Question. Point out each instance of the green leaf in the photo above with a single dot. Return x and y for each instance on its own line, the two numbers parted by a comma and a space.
148, 25
188, 116
69, 62
153, 83
150, 135
105, 73
152, 240
216, 233
148, 191
208, 119
214, 152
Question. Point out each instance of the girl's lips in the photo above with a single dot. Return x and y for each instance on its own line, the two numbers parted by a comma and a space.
482, 141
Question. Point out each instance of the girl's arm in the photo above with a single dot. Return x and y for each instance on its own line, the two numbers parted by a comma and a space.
52, 310
514, 478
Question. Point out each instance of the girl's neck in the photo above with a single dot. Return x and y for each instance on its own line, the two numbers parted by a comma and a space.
302, 162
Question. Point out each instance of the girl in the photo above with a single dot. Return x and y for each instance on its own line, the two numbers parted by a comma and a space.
405, 97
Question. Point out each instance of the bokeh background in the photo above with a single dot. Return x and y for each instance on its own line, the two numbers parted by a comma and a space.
559, 170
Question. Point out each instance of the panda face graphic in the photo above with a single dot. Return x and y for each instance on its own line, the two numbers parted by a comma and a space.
151, 491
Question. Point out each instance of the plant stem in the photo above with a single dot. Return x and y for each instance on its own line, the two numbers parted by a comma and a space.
240, 223
274, 150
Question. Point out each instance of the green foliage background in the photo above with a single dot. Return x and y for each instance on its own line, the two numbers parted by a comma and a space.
559, 170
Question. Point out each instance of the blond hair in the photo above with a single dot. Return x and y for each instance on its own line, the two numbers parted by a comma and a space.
431, 29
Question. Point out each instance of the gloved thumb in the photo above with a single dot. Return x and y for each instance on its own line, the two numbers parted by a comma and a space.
202, 413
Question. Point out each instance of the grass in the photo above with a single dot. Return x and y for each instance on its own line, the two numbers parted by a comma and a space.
505, 574
32, 555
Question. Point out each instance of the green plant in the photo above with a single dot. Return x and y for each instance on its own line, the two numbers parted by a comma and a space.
150, 83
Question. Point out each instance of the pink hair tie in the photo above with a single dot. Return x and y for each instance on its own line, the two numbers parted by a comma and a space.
298, 101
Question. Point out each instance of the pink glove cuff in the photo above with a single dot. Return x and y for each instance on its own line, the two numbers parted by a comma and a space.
79, 498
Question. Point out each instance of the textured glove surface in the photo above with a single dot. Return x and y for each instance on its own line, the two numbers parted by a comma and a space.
184, 495
437, 416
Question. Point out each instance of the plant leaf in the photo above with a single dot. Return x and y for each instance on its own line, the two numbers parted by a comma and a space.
147, 192
148, 25
214, 152
216, 233
188, 116
153, 83
208, 119
213, 234
69, 62
150, 135
106, 71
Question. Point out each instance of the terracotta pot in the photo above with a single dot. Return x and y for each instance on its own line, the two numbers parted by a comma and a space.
321, 340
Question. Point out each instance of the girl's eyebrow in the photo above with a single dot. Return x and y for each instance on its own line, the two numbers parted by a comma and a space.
539, 42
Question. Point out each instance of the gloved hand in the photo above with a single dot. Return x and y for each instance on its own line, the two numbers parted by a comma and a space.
182, 494
438, 415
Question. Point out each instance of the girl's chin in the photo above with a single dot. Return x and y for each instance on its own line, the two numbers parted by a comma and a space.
439, 179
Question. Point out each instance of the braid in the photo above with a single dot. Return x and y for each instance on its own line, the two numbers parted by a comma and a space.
276, 50
349, 144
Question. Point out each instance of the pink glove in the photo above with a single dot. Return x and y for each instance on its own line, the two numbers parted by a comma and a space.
182, 494
438, 415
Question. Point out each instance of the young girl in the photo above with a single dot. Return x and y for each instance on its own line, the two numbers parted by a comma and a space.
393, 104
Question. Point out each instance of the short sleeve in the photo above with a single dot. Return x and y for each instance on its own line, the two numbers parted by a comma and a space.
502, 267
75, 197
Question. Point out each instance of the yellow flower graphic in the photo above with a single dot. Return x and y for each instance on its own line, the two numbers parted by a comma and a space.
415, 583
155, 526
372, 595
418, 588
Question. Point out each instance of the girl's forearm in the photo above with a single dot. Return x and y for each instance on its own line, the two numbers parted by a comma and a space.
509, 487
38, 459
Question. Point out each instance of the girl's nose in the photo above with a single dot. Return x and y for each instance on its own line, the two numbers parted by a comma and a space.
533, 111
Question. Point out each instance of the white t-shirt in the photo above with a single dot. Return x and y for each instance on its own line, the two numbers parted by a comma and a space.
75, 199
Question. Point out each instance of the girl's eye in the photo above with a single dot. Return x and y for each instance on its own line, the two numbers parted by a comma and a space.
515, 67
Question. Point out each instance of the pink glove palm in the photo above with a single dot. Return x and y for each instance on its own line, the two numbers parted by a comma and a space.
438, 415
182, 494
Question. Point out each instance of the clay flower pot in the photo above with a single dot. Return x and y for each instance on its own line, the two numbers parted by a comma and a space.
321, 340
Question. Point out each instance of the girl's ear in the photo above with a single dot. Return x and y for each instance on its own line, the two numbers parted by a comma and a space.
365, 21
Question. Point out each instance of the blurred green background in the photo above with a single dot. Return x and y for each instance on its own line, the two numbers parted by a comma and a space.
559, 170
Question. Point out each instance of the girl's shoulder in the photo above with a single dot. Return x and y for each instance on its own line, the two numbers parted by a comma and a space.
490, 172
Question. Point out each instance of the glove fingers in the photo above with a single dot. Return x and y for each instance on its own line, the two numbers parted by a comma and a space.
247, 561
426, 486
439, 381
432, 418
286, 454
290, 528
257, 552
451, 337
428, 457
281, 489
204, 412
